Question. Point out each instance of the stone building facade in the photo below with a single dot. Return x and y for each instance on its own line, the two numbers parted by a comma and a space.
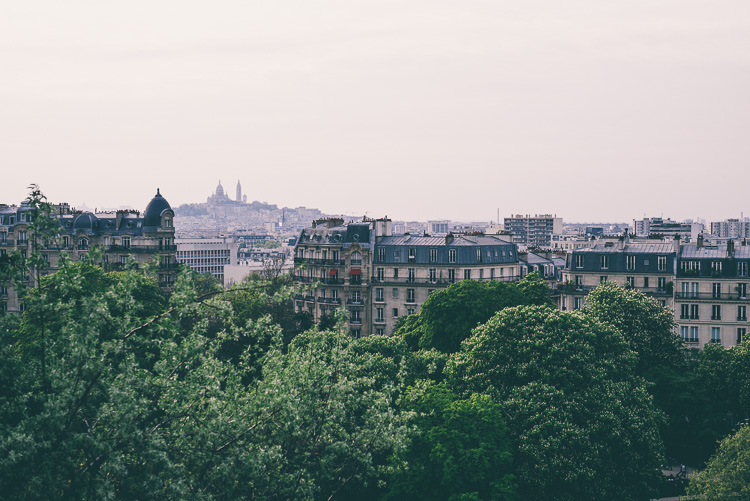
704, 285
121, 235
379, 277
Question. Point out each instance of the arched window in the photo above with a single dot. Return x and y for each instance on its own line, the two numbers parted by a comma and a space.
83, 244
356, 258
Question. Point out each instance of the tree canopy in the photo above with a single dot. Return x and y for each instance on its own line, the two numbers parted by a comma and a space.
582, 420
727, 474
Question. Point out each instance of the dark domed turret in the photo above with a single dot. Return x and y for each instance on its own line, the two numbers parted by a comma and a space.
154, 210
86, 221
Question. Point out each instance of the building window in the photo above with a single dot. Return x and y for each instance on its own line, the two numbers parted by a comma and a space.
126, 242
684, 311
605, 261
395, 272
467, 274
716, 312
741, 331
630, 263
356, 297
645, 282
577, 303
694, 312
479, 255
630, 281
481, 274
451, 275
334, 294
356, 258
395, 293
716, 290
379, 331
716, 334
381, 274
685, 332
579, 260
433, 275
412, 254
451, 255
21, 237
397, 255
410, 311
410, 296
395, 312
355, 317
716, 267
741, 313
379, 315
661, 263
412, 274
742, 291
661, 283
356, 333
381, 254
742, 269
693, 334
83, 244
379, 294
433, 255
690, 267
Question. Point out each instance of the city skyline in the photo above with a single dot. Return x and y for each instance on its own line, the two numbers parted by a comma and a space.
417, 110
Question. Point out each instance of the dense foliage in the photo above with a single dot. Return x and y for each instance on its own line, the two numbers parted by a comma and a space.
727, 475
111, 389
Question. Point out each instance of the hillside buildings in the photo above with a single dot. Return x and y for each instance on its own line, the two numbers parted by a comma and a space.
122, 236
378, 276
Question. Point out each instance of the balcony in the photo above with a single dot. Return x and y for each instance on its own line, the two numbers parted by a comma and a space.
141, 249
168, 266
329, 300
710, 296
355, 302
319, 262
356, 321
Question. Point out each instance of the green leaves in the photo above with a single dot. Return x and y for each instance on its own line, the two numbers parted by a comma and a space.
582, 420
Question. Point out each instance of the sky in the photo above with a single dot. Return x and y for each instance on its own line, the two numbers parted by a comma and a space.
593, 110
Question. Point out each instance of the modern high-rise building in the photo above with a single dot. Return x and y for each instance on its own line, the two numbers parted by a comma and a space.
533, 231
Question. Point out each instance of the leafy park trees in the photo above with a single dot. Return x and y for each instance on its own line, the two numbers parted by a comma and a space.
727, 475
582, 421
110, 391
449, 315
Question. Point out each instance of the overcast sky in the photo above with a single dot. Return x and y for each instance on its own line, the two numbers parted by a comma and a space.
593, 110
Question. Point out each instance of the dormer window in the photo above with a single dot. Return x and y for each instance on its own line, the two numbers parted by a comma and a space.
83, 244
126, 242
167, 222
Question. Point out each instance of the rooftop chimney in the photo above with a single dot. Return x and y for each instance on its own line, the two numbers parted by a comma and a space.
730, 248
700, 241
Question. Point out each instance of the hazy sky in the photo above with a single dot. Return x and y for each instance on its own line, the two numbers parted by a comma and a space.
594, 110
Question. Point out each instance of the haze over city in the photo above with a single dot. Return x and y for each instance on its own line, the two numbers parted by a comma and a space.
423, 110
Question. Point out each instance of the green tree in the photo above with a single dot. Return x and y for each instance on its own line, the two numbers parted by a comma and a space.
460, 449
449, 315
647, 326
582, 420
727, 475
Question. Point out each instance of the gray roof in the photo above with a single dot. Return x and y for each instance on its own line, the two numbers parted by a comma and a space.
637, 248
458, 240
714, 252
